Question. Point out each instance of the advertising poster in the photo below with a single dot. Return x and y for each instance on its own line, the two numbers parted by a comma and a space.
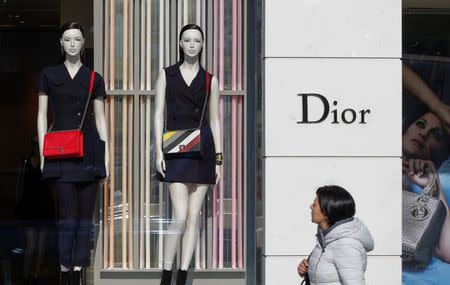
426, 162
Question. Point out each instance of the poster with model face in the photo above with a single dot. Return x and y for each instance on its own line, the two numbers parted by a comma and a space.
426, 161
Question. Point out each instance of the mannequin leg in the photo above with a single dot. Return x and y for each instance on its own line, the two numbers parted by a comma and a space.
87, 195
67, 209
179, 197
196, 197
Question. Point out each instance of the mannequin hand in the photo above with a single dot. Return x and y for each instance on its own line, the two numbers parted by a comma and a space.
218, 171
42, 163
302, 268
419, 171
160, 164
107, 170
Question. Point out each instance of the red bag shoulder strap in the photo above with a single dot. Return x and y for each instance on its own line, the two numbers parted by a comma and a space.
91, 87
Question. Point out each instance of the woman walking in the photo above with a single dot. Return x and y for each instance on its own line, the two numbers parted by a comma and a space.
340, 256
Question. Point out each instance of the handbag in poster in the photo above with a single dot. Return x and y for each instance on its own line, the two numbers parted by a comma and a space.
423, 217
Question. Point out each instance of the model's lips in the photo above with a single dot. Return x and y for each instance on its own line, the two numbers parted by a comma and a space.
72, 50
419, 143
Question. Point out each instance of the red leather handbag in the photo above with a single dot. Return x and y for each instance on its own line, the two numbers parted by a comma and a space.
67, 143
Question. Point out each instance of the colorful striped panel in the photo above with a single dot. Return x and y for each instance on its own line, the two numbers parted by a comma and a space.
181, 141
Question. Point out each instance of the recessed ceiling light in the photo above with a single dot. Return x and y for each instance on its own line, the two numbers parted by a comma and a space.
22, 22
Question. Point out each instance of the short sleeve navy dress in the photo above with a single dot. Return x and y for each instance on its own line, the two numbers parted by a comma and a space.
184, 106
67, 100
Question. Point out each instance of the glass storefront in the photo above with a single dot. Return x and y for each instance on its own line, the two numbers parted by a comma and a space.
140, 38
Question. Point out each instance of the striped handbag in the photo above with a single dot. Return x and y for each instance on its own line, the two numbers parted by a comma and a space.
188, 141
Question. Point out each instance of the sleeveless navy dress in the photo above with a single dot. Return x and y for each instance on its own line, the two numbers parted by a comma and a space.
184, 106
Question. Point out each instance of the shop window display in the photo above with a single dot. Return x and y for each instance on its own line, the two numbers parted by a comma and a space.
140, 38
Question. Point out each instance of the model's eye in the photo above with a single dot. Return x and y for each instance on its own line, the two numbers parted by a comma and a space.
198, 41
420, 124
438, 134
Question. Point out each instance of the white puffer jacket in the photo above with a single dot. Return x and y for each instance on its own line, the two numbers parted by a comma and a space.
340, 256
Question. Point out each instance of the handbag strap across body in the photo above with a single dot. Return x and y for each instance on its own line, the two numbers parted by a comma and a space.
91, 87
207, 90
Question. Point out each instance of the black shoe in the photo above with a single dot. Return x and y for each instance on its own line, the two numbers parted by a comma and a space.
75, 278
181, 277
64, 278
166, 277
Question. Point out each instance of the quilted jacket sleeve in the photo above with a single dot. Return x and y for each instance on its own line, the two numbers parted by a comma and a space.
350, 261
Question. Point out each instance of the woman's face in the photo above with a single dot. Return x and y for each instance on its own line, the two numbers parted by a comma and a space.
317, 215
72, 42
191, 42
425, 138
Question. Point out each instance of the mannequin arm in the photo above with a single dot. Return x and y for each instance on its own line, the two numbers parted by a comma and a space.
214, 120
42, 123
159, 121
100, 123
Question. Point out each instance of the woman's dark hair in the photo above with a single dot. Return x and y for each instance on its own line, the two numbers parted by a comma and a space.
68, 26
185, 28
336, 203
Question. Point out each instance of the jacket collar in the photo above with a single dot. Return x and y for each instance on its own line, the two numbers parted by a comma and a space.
321, 234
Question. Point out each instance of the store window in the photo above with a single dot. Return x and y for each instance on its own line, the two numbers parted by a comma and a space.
140, 38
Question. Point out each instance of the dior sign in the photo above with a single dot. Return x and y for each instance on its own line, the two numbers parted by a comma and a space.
346, 116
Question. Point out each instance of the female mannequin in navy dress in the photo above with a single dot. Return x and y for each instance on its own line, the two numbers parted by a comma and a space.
65, 87
181, 89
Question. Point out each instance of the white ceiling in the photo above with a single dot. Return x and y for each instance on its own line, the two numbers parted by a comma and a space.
426, 4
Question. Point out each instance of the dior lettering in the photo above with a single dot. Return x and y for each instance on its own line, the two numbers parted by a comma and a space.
346, 116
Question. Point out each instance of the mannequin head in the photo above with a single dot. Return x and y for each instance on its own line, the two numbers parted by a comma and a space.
191, 42
71, 37
332, 204
426, 138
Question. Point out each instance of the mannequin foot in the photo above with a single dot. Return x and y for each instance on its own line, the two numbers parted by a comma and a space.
166, 277
181, 277
64, 278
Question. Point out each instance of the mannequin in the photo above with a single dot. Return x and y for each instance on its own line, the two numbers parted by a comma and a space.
65, 88
180, 89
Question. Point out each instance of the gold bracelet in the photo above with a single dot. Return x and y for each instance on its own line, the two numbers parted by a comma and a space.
219, 158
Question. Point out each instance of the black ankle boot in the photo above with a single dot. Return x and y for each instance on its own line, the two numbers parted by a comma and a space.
166, 277
181, 277
63, 278
75, 278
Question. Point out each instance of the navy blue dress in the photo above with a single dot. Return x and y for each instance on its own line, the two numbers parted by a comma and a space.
67, 100
184, 106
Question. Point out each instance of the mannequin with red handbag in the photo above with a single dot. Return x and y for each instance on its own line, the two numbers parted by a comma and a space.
74, 149
188, 145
